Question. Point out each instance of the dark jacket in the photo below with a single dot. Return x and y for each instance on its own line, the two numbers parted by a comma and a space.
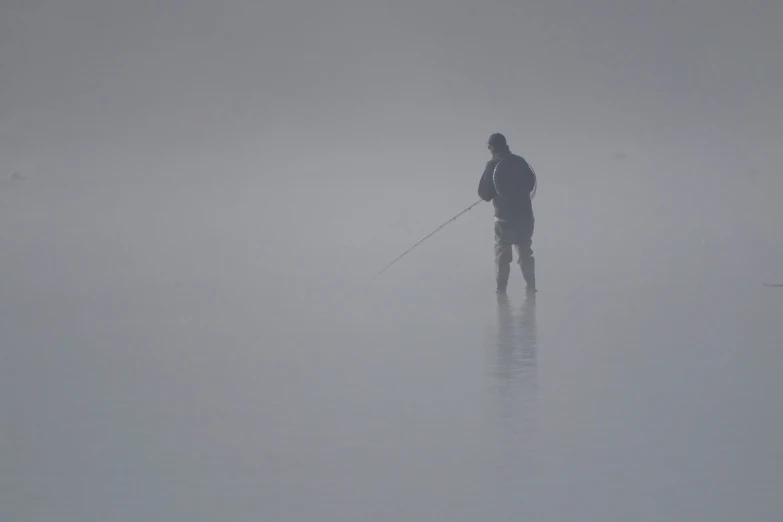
519, 209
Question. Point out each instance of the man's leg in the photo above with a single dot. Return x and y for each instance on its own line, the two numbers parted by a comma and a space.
502, 257
525, 251
529, 272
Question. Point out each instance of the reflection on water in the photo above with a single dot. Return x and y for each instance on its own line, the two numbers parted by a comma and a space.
514, 372
516, 344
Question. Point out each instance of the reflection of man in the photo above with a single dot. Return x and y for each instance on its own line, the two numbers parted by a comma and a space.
517, 336
515, 371
509, 182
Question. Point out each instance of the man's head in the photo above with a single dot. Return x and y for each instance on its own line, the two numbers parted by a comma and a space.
497, 144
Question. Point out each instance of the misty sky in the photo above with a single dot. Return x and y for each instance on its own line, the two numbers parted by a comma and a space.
88, 80
371, 99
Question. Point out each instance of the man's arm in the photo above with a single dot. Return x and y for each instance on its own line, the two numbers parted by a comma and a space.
486, 188
530, 179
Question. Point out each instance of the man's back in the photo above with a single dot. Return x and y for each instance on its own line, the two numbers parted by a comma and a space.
508, 181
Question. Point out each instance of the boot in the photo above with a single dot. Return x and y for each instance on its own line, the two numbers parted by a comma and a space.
529, 273
502, 272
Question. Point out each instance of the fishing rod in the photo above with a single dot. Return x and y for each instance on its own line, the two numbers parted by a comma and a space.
425, 238
494, 183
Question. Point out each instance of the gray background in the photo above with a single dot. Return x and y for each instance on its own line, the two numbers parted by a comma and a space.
187, 325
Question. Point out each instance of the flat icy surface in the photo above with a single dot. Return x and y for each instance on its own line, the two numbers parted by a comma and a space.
165, 357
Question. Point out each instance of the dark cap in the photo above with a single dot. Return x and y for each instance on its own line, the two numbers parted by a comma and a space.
497, 140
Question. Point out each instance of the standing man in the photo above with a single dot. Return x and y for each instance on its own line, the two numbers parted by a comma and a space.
510, 183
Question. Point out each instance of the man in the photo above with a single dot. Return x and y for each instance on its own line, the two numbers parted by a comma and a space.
509, 182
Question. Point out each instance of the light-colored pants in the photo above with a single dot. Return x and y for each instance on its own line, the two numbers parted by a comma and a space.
517, 234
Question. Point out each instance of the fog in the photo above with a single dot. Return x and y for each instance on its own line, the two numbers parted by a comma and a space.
194, 198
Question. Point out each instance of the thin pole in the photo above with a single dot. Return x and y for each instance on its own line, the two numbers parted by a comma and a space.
427, 237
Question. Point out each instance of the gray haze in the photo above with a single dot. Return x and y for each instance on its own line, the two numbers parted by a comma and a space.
195, 195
